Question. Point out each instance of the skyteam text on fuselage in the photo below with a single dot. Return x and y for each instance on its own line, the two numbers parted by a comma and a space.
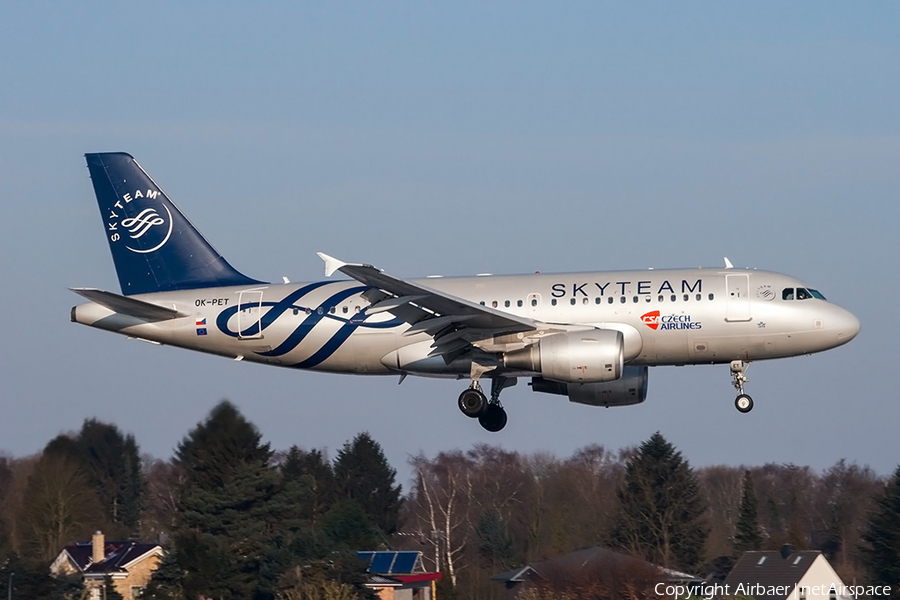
588, 336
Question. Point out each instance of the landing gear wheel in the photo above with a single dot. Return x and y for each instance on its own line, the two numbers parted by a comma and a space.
743, 403
494, 418
472, 403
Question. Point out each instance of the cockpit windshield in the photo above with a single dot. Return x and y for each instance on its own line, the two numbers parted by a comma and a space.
800, 294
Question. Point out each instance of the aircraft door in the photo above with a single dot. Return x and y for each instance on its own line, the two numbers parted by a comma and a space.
249, 315
737, 290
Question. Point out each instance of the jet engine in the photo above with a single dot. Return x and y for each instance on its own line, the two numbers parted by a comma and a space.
573, 357
631, 388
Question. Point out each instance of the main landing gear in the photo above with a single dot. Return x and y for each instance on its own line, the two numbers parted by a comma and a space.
490, 413
744, 403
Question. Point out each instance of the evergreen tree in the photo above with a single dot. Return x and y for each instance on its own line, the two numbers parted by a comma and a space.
364, 475
495, 545
311, 471
114, 465
109, 590
226, 527
747, 535
661, 512
882, 557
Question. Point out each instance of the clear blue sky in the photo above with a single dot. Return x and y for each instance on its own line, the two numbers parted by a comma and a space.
457, 139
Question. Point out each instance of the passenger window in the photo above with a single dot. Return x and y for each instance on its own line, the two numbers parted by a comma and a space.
699, 297
572, 301
661, 298
355, 309
296, 310
346, 309
331, 310
481, 303
519, 303
787, 294
506, 304
553, 302
494, 304
686, 297
599, 299
712, 296
647, 298
610, 300
673, 298
622, 300
534, 301
635, 299
803, 294
585, 301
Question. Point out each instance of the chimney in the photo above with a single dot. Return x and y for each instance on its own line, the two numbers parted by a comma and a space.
98, 543
786, 551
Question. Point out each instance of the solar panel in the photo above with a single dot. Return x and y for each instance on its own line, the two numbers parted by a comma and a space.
382, 562
405, 562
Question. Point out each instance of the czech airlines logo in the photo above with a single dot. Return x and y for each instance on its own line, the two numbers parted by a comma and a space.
651, 319
655, 321
148, 222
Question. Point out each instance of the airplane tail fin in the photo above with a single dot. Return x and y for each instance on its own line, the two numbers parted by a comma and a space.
154, 246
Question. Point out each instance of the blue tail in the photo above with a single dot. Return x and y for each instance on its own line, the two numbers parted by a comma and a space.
154, 247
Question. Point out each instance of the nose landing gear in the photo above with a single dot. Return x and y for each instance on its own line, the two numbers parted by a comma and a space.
490, 413
744, 403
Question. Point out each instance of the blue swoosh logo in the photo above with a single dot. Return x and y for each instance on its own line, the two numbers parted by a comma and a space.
277, 309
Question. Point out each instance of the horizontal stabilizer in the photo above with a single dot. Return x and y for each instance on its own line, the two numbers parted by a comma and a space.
129, 306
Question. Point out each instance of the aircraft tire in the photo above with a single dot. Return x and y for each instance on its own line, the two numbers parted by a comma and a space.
472, 403
743, 403
494, 418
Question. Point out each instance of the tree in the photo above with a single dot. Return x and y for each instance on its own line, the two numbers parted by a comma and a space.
114, 467
59, 507
882, 556
747, 535
364, 475
661, 512
314, 472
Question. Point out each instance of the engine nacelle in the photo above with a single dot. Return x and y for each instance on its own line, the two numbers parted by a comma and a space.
631, 388
573, 357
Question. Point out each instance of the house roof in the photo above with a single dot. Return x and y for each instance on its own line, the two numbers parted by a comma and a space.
581, 559
770, 570
119, 556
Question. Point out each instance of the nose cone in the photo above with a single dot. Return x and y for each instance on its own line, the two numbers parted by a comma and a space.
847, 326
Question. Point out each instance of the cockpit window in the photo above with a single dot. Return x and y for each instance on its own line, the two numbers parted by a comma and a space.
803, 294
787, 294
816, 294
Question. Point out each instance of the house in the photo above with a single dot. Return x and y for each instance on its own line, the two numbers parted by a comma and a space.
785, 574
130, 564
597, 565
399, 575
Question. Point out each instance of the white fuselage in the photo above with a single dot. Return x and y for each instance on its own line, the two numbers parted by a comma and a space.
667, 317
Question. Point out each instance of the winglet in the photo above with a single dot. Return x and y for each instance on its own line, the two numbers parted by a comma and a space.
331, 263
728, 264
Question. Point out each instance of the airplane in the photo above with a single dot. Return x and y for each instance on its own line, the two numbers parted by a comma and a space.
588, 336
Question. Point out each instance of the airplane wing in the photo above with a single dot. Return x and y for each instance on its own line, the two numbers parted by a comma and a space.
454, 321
129, 306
